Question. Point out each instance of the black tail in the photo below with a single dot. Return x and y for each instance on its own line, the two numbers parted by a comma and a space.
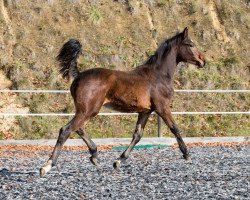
67, 58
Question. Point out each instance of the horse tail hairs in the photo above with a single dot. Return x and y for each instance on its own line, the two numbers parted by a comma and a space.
67, 58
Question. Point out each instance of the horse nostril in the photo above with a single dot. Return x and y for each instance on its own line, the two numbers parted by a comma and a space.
201, 56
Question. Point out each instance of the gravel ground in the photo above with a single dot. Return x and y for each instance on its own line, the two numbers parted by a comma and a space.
213, 173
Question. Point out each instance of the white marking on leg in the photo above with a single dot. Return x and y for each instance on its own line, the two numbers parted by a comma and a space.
48, 166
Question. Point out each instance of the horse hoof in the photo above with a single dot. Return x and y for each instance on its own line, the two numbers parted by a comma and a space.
187, 157
46, 168
42, 172
93, 161
117, 164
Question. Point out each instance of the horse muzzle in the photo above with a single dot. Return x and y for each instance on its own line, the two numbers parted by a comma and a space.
201, 63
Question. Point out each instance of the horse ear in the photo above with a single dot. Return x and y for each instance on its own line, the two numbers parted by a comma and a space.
185, 33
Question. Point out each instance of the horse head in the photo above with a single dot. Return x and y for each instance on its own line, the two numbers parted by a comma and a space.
188, 52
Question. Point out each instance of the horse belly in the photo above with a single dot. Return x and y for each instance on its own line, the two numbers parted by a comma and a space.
124, 104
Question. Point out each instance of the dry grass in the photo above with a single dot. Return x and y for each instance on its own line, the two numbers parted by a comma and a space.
120, 36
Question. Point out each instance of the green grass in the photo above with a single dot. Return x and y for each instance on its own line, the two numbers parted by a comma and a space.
40, 127
1, 135
123, 126
95, 15
212, 125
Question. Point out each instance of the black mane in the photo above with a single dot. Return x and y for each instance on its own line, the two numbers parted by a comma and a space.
164, 48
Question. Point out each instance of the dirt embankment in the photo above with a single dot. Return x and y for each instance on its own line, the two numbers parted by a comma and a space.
116, 35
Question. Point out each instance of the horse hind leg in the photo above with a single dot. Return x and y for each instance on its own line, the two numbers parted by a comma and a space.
91, 145
64, 134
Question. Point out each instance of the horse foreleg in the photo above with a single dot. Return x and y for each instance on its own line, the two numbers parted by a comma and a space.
91, 145
166, 115
141, 122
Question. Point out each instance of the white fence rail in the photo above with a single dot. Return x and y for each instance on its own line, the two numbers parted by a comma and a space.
115, 114
184, 91
118, 113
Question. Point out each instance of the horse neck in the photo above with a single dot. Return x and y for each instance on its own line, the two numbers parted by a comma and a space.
167, 65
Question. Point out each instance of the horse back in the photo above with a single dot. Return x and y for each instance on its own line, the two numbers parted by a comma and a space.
119, 90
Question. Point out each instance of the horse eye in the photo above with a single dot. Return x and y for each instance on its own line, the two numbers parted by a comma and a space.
190, 44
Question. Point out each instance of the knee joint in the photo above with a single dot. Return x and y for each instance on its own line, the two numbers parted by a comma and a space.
175, 129
137, 136
62, 134
138, 132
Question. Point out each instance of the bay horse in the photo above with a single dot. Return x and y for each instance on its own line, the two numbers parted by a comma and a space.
147, 88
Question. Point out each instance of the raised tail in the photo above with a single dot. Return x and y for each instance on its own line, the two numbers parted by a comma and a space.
67, 58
